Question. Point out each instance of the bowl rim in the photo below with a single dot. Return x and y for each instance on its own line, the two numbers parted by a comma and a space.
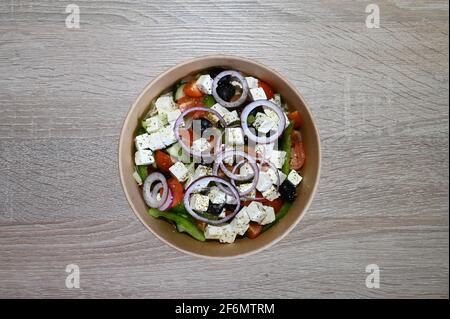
194, 60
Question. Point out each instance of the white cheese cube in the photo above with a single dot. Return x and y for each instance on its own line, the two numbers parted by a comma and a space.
230, 200
271, 194
156, 142
137, 178
294, 177
213, 232
144, 157
256, 212
258, 94
252, 82
168, 136
216, 196
231, 117
273, 175
244, 187
278, 158
246, 170
165, 103
264, 150
201, 145
270, 215
241, 221
172, 116
228, 160
234, 136
180, 171
228, 235
264, 182
200, 171
275, 119
263, 123
199, 202
152, 124
204, 83
276, 99
220, 109
142, 141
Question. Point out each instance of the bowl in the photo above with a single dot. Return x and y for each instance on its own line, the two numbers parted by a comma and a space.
212, 249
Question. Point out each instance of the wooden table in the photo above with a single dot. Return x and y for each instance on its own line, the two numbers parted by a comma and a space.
379, 95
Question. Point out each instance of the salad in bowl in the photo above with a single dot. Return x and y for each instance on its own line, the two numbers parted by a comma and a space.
219, 155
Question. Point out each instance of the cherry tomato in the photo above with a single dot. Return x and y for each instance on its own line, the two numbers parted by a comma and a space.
254, 230
191, 89
187, 102
297, 152
177, 190
267, 89
296, 118
163, 161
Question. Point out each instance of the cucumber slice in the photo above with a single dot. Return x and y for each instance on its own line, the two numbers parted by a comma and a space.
177, 152
179, 92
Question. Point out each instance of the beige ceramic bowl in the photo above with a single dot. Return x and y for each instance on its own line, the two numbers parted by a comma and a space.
212, 249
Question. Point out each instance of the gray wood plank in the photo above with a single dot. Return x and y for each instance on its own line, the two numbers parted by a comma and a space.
380, 97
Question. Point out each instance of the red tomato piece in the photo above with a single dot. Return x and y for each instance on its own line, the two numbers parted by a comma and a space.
267, 89
298, 155
163, 160
191, 89
296, 118
177, 190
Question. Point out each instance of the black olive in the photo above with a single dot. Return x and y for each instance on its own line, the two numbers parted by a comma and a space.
214, 72
226, 91
224, 80
205, 124
215, 209
287, 191
258, 109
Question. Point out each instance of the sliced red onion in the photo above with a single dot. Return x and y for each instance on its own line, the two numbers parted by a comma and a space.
254, 182
168, 202
150, 196
243, 82
179, 122
226, 154
263, 139
218, 181
277, 184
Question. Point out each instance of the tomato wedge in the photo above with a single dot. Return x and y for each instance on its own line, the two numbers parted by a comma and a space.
177, 190
296, 118
276, 204
191, 89
298, 155
267, 89
163, 160
254, 230
187, 102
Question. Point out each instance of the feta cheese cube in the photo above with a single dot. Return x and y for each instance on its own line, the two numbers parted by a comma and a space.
152, 124
244, 187
213, 232
246, 170
200, 171
142, 141
234, 136
216, 196
204, 83
256, 212
264, 150
168, 136
294, 177
180, 171
172, 116
240, 222
230, 200
276, 99
264, 182
144, 157
258, 94
263, 123
156, 142
270, 215
278, 158
273, 175
220, 109
275, 119
228, 234
271, 194
231, 117
199, 202
252, 82
201, 145
165, 103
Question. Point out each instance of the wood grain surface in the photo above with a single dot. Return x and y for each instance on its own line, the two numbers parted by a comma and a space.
380, 98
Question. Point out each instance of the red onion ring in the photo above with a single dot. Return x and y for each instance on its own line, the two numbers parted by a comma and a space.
219, 181
179, 122
168, 203
263, 139
277, 185
254, 182
150, 196
225, 154
243, 82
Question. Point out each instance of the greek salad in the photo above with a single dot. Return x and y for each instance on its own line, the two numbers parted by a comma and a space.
219, 155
